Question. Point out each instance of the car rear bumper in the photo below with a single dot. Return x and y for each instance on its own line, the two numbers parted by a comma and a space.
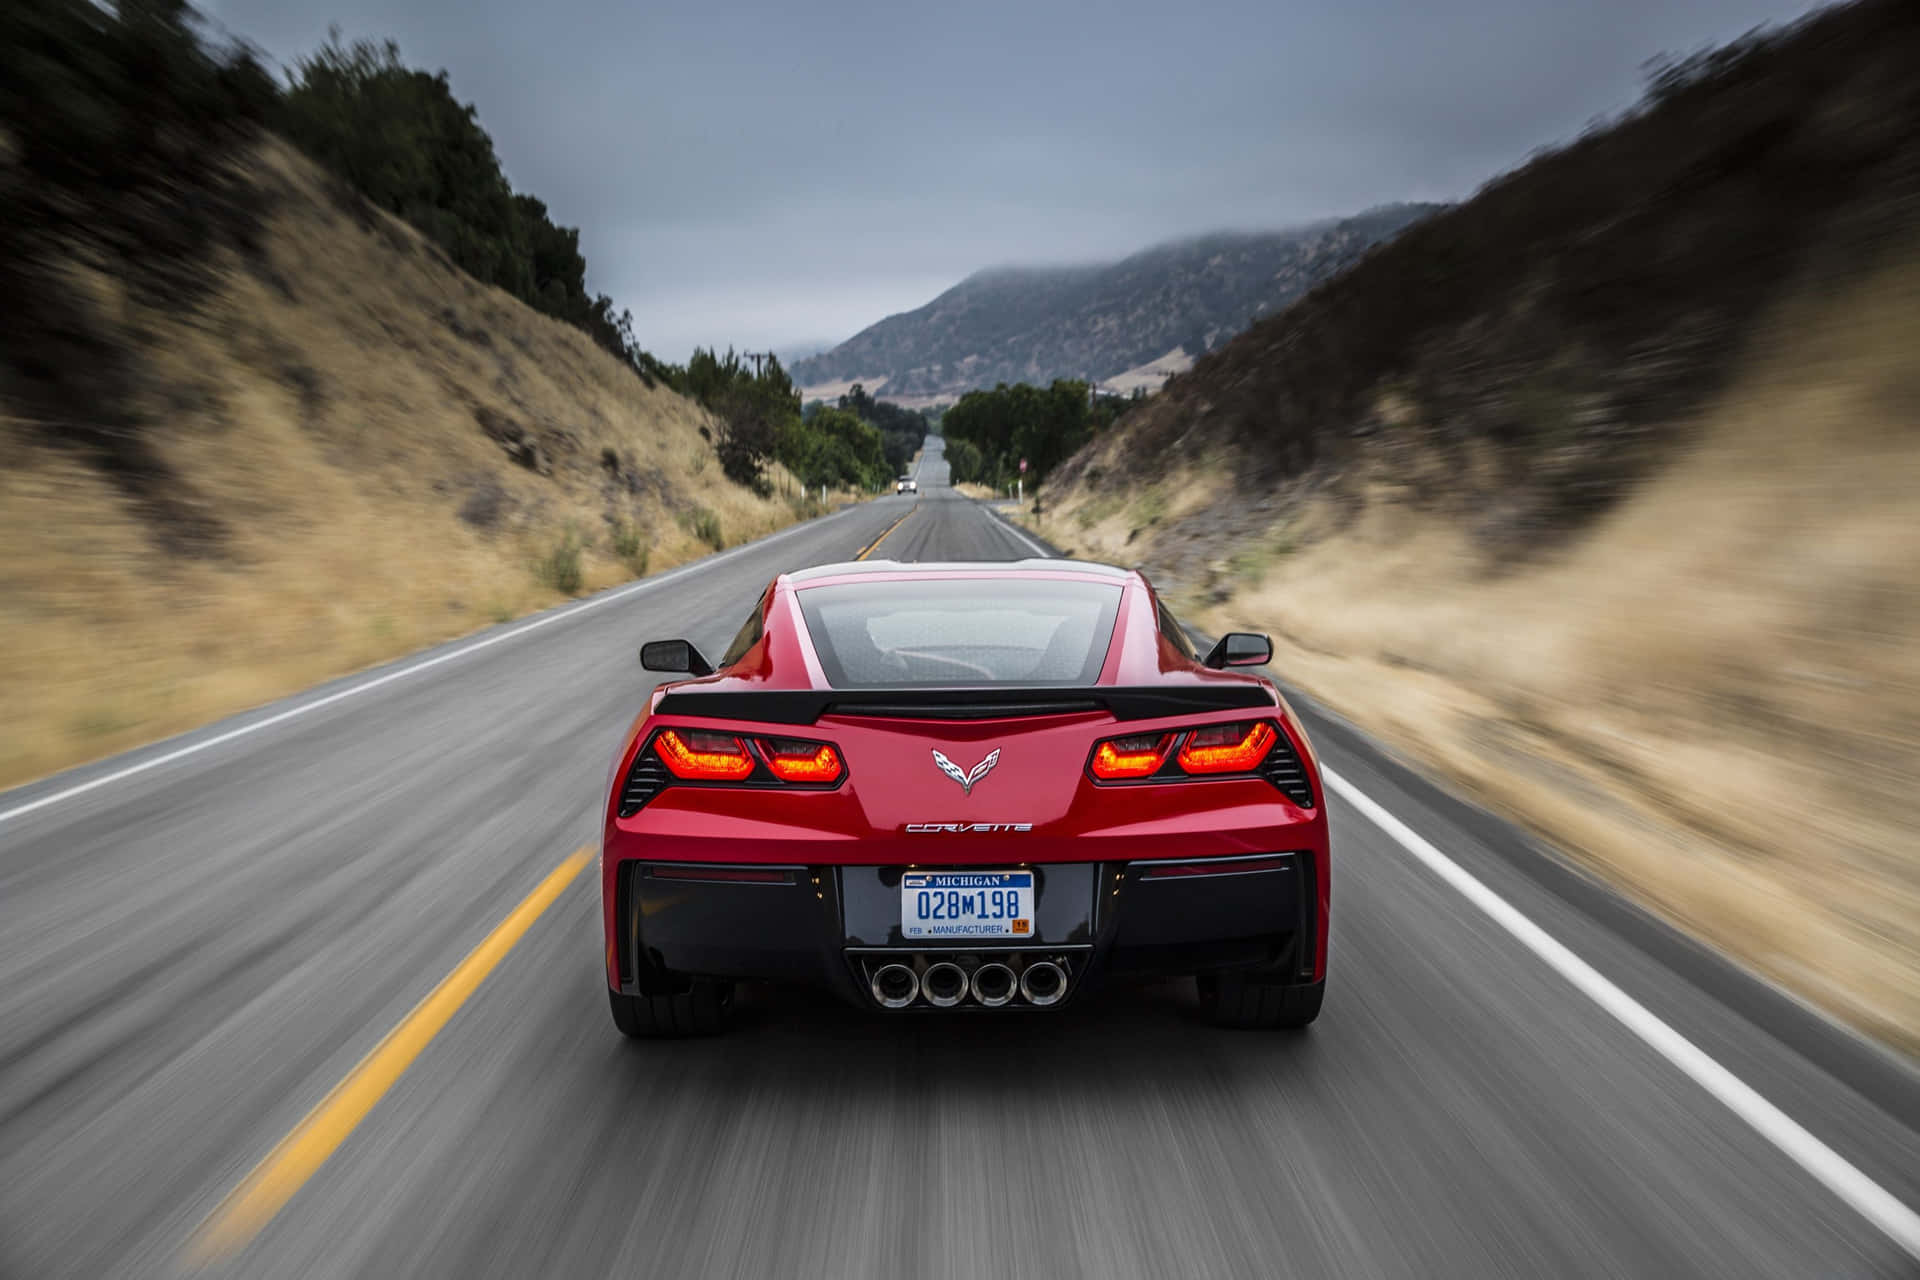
836, 926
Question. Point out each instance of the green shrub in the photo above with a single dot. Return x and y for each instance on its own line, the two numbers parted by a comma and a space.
706, 527
633, 549
560, 567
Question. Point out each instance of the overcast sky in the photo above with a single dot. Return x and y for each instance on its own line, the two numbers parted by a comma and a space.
771, 172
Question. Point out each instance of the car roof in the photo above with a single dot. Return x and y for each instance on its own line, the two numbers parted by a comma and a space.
1135, 656
994, 568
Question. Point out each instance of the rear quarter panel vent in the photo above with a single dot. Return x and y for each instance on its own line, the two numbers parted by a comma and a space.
645, 780
1283, 768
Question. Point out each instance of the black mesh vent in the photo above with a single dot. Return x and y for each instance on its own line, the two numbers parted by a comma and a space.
644, 781
1284, 770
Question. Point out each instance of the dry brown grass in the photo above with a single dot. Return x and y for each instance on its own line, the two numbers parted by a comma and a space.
1712, 696
324, 408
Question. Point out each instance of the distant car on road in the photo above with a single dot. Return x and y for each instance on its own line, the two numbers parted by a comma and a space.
963, 788
906, 484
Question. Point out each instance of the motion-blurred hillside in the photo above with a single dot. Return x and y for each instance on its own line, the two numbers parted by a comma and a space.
1599, 492
258, 430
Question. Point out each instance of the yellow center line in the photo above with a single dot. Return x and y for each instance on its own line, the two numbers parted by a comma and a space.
299, 1155
873, 546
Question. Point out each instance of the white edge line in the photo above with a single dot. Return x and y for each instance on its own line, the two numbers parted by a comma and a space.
341, 695
1865, 1196
1015, 530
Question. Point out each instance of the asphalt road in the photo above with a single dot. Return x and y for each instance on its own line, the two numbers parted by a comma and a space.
195, 952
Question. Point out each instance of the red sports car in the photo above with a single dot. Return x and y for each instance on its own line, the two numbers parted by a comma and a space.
963, 787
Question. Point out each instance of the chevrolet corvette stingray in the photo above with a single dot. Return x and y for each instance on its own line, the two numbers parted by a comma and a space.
963, 788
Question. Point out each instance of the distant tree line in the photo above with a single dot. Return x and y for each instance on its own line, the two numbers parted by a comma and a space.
988, 433
901, 430
859, 444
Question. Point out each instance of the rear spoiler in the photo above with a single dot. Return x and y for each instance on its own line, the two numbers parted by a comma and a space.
805, 706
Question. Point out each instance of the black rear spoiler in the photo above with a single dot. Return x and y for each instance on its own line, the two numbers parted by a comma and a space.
805, 706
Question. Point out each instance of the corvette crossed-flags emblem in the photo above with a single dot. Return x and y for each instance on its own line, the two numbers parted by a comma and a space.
964, 777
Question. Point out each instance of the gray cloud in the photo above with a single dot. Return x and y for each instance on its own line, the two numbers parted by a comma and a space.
767, 172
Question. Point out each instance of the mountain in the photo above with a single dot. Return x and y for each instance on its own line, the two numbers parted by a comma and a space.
794, 352
1035, 324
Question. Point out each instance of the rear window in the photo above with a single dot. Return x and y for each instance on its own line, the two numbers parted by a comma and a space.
948, 632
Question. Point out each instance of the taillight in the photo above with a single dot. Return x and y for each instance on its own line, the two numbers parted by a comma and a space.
1205, 751
1227, 748
793, 761
698, 756
1118, 759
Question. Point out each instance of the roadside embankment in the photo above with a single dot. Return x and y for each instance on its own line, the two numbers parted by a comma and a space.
352, 450
1710, 696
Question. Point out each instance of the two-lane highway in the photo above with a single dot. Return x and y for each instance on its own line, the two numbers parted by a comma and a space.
207, 944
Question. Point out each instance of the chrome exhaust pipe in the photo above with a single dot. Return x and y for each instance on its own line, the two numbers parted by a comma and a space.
1043, 983
895, 986
944, 984
993, 985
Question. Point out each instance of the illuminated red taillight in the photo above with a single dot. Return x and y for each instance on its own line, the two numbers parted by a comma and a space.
1137, 757
697, 756
1227, 748
801, 761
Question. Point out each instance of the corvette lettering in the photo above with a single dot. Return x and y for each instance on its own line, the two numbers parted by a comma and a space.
936, 828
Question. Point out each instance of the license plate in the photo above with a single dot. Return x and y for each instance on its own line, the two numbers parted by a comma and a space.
966, 904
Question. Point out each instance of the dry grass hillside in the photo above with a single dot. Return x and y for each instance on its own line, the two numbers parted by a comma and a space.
1598, 494
1711, 696
360, 451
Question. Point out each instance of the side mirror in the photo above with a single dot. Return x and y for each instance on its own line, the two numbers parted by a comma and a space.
674, 655
1240, 649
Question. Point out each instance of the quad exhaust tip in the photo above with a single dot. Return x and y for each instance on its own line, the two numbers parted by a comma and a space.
895, 985
1043, 983
945, 984
994, 984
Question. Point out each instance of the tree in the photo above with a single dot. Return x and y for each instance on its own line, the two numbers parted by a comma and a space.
1010, 423
901, 430
749, 432
835, 448
400, 138
964, 463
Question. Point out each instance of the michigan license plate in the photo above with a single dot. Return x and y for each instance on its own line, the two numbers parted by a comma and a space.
966, 904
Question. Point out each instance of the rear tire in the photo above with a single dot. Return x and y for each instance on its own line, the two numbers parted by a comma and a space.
703, 1009
1234, 1000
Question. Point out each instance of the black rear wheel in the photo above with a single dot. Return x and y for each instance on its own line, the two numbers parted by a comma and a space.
701, 1010
1234, 1000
